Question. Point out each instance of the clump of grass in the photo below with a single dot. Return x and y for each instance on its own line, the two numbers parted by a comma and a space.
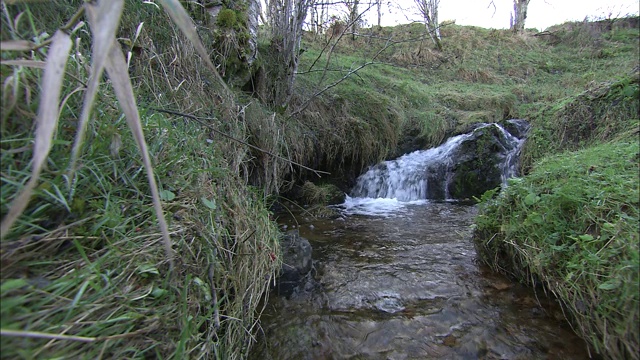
347, 128
571, 226
323, 194
99, 275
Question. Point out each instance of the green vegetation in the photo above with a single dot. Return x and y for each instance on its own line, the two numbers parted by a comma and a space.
571, 226
84, 273
604, 111
226, 18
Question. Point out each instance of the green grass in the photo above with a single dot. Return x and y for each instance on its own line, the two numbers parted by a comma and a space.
571, 226
84, 273
85, 259
602, 112
481, 76
97, 270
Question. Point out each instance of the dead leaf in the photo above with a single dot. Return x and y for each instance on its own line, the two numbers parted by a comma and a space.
104, 17
47, 122
116, 67
500, 286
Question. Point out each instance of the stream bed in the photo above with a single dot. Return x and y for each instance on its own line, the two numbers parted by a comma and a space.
402, 281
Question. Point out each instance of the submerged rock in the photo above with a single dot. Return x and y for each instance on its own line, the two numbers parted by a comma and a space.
296, 262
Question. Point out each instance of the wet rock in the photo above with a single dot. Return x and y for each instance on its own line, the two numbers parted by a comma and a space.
479, 163
296, 263
389, 303
465, 166
517, 127
476, 162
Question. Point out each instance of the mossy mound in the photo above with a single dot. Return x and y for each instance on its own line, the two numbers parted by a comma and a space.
600, 113
571, 226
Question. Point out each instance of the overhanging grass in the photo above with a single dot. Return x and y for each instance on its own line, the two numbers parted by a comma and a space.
572, 226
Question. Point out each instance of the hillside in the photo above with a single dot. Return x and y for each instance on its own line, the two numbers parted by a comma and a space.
482, 76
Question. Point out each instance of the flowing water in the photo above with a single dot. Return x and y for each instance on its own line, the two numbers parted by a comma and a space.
398, 278
412, 176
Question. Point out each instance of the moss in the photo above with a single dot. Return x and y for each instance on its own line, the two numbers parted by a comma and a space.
227, 19
597, 114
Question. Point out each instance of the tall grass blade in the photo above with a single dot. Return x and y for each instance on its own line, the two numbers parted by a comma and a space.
42, 335
116, 66
47, 121
23, 62
16, 45
180, 17
104, 17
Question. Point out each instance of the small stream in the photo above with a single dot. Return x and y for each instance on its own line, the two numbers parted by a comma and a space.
397, 276
405, 284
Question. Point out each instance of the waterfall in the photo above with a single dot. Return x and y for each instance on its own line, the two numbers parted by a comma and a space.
436, 172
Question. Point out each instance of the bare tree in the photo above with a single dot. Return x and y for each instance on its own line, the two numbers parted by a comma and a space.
285, 18
519, 15
429, 12
353, 15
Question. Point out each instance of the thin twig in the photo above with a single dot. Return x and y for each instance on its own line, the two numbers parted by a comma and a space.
42, 335
199, 120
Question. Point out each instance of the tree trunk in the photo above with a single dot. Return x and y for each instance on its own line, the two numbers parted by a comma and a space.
253, 15
286, 18
429, 11
519, 15
354, 16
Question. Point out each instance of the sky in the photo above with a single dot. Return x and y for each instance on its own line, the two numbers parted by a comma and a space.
541, 13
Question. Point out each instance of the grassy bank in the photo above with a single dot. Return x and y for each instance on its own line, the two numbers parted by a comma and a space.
571, 226
84, 272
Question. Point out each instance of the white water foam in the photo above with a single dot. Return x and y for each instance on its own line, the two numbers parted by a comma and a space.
375, 206
404, 178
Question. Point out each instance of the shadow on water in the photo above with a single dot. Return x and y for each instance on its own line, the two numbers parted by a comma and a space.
408, 286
